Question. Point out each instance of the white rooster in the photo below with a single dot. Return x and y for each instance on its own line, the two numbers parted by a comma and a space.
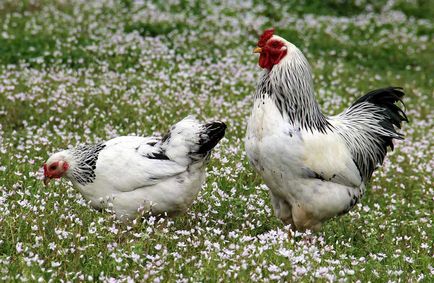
132, 174
315, 166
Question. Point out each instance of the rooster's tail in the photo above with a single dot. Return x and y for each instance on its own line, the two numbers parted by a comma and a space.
370, 125
386, 98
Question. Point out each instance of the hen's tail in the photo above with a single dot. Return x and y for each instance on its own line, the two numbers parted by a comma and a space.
190, 140
211, 134
368, 127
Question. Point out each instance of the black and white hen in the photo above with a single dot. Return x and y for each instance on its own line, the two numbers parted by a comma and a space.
132, 174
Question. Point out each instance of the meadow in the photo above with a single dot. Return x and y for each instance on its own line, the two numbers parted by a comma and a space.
77, 71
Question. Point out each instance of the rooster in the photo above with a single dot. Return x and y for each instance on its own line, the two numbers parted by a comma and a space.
315, 166
134, 174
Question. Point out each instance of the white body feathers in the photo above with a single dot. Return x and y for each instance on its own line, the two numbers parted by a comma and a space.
128, 181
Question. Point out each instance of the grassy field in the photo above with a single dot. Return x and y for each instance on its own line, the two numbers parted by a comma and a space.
84, 71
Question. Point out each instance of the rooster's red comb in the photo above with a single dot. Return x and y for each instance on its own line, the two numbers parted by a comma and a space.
265, 36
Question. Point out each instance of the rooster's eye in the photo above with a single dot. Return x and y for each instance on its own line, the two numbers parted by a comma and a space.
275, 44
53, 167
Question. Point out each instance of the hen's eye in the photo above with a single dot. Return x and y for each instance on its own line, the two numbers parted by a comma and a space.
53, 167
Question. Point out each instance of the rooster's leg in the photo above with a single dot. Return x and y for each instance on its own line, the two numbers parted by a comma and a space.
304, 219
283, 211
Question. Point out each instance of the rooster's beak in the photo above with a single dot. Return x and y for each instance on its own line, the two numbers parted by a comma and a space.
257, 50
46, 181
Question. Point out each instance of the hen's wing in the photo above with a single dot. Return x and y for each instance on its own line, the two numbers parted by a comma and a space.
128, 163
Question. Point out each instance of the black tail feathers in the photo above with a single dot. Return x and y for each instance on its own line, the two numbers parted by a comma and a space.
213, 132
386, 98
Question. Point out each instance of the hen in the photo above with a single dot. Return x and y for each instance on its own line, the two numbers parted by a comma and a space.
132, 174
316, 166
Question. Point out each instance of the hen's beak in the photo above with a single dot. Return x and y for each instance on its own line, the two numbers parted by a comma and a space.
257, 50
46, 180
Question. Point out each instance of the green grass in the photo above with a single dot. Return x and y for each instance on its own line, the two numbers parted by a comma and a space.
74, 72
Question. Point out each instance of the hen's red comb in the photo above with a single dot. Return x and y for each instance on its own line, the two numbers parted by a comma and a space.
265, 36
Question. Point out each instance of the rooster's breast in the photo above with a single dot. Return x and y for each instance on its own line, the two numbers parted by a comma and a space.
273, 145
